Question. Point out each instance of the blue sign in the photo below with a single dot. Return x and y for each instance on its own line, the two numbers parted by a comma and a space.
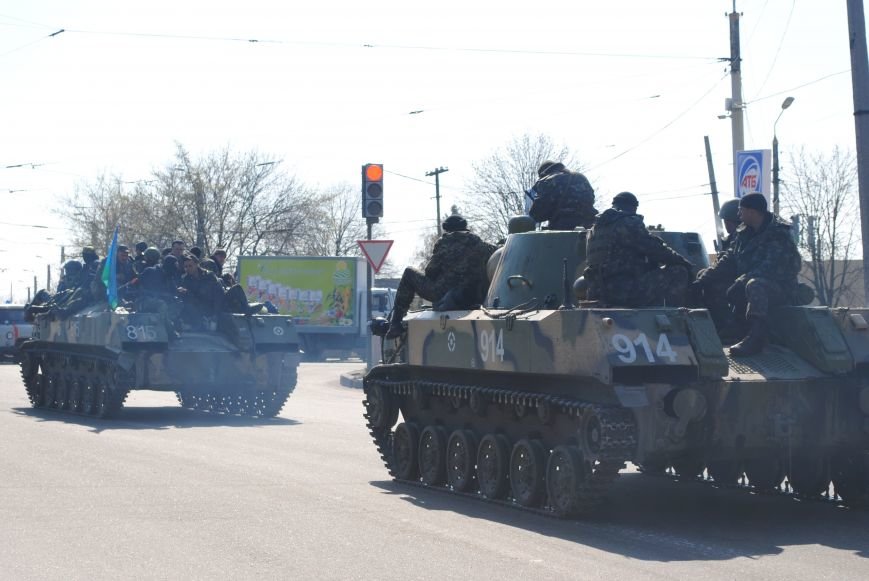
753, 172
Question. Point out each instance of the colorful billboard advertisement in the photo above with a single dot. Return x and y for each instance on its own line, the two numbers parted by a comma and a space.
315, 291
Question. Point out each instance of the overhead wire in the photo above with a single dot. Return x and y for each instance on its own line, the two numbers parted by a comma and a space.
778, 49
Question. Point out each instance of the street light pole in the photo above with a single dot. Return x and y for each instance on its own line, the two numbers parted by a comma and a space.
436, 173
775, 181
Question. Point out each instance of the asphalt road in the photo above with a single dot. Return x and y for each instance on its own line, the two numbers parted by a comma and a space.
163, 493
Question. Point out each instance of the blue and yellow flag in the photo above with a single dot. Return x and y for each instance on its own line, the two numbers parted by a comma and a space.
110, 274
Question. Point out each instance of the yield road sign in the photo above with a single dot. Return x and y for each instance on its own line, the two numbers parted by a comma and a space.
375, 251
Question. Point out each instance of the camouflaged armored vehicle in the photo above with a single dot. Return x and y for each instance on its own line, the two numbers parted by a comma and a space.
537, 402
87, 363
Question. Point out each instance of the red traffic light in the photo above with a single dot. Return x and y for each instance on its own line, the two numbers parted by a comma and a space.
373, 172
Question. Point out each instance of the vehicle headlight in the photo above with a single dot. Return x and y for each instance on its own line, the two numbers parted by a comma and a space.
9, 334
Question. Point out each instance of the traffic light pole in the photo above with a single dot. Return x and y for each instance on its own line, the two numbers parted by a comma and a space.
369, 359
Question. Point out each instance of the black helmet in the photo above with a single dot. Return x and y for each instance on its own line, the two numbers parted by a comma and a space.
455, 223
141, 246
626, 200
729, 211
72, 267
549, 167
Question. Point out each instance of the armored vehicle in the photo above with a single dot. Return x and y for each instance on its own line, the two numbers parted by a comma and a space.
536, 402
87, 363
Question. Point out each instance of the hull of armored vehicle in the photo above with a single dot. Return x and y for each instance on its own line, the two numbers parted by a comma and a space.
87, 363
537, 403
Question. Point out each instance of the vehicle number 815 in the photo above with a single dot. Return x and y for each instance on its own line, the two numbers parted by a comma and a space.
141, 333
627, 349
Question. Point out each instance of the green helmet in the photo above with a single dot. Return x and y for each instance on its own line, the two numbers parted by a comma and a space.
729, 211
152, 255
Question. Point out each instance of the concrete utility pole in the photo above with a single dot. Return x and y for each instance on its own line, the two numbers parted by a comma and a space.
736, 104
860, 84
436, 173
719, 228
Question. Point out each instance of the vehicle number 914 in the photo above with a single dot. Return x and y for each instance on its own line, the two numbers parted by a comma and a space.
628, 349
492, 345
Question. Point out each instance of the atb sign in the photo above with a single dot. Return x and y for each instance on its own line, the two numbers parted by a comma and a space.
375, 252
753, 172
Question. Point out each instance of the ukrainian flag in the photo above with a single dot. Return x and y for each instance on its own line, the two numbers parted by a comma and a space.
110, 274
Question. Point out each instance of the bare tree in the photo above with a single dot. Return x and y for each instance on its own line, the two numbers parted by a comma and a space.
496, 193
240, 202
822, 190
338, 223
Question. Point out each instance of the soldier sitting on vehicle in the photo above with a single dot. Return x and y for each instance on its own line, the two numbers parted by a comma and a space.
713, 298
203, 295
628, 266
457, 262
759, 269
157, 291
562, 197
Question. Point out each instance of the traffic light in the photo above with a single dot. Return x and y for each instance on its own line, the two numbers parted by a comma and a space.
372, 190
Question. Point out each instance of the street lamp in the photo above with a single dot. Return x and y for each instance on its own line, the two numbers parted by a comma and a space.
775, 181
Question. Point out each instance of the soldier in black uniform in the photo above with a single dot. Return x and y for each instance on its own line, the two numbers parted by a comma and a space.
760, 268
562, 197
457, 262
628, 266
139, 263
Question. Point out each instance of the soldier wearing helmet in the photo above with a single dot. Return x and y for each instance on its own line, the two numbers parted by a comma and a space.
729, 214
457, 266
629, 267
562, 197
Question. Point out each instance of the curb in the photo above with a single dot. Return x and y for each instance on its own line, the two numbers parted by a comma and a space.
353, 379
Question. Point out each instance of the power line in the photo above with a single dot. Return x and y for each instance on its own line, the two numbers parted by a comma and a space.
792, 89
446, 48
780, 43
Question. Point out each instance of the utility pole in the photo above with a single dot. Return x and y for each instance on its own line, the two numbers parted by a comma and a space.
719, 229
736, 104
860, 85
436, 173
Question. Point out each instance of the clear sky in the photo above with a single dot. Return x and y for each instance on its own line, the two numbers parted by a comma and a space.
631, 86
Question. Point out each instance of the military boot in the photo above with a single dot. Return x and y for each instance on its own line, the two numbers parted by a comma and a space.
396, 327
754, 341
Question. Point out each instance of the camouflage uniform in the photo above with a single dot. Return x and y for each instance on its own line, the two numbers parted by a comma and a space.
629, 267
566, 199
204, 296
759, 268
713, 296
458, 261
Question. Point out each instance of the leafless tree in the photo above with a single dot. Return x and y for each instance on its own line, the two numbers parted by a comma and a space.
822, 190
240, 202
337, 223
497, 189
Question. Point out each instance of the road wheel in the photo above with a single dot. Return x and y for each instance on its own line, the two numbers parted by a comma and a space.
432, 455
405, 451
493, 464
88, 397
851, 478
461, 459
61, 391
688, 466
808, 475
75, 394
725, 472
566, 474
527, 472
764, 474
49, 390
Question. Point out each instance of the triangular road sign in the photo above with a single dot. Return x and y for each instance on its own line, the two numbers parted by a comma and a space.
375, 251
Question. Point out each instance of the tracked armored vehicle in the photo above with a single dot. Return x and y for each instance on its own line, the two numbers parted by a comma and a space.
534, 401
89, 362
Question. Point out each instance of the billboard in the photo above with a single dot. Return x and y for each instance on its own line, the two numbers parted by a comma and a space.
753, 172
315, 291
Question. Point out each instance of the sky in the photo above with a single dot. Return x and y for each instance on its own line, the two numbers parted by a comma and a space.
631, 87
